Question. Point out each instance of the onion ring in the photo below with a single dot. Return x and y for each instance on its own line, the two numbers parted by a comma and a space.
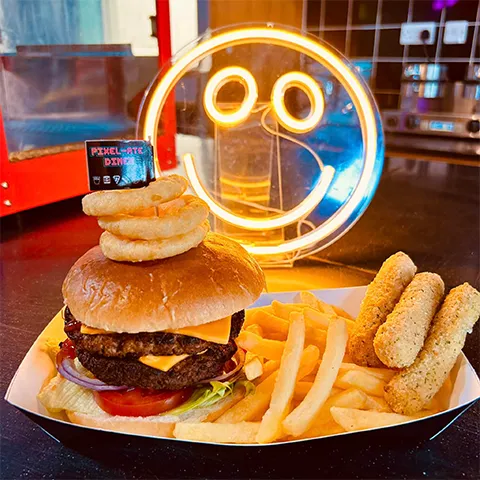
174, 218
123, 249
114, 202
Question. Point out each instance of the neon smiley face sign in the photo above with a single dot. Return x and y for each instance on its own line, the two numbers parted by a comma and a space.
367, 166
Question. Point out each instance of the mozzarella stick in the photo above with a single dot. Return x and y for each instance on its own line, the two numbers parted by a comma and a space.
411, 389
381, 297
399, 340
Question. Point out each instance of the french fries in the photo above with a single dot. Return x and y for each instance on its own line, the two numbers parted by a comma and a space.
251, 311
322, 430
384, 374
268, 368
378, 404
283, 310
309, 362
306, 385
364, 381
308, 298
352, 419
302, 418
256, 329
243, 432
352, 398
318, 319
253, 369
271, 349
301, 390
271, 424
271, 323
253, 406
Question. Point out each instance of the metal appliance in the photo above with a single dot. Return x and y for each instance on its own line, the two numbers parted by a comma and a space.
434, 113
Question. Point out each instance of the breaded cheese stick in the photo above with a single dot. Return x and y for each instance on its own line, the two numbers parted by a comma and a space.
410, 390
381, 297
399, 340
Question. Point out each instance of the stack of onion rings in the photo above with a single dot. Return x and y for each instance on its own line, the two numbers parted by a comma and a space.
137, 232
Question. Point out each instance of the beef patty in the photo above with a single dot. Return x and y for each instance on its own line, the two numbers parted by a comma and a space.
188, 372
134, 345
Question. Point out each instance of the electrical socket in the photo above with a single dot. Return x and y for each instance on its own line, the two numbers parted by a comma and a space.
411, 33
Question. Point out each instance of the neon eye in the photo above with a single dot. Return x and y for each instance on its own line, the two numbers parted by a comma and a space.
311, 89
221, 78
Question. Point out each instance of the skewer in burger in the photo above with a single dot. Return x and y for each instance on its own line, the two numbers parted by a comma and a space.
153, 343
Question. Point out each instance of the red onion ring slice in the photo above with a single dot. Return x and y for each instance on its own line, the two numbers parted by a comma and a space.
68, 370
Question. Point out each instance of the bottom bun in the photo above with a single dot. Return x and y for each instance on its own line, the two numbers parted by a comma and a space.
155, 426
152, 426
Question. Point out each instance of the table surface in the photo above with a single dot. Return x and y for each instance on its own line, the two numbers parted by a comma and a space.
428, 209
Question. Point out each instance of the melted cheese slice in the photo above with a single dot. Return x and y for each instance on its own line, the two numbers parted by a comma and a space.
216, 332
163, 363
93, 331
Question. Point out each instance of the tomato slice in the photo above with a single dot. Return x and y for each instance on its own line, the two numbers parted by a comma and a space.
140, 402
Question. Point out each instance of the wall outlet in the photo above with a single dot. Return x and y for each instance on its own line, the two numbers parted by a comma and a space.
411, 33
456, 32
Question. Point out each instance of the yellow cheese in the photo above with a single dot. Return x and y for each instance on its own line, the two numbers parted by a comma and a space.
163, 363
216, 332
93, 331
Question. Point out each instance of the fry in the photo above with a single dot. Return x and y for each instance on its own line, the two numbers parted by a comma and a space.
270, 322
301, 389
342, 313
283, 310
253, 406
352, 398
249, 313
358, 379
309, 361
352, 419
271, 349
256, 329
243, 432
310, 299
268, 368
250, 356
253, 369
384, 374
322, 430
316, 337
302, 418
381, 297
378, 404
318, 319
271, 425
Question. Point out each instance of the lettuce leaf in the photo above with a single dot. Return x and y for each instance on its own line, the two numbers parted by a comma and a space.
211, 394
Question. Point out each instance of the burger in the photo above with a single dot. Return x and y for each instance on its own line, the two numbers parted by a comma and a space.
153, 343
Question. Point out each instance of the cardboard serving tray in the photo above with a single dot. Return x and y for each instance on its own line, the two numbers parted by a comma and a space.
36, 368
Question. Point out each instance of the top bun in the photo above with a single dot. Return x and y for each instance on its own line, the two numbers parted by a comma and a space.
209, 282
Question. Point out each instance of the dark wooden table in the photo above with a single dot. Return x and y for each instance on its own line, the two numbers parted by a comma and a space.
428, 209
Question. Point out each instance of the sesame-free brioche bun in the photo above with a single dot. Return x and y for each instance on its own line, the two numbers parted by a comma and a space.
209, 282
